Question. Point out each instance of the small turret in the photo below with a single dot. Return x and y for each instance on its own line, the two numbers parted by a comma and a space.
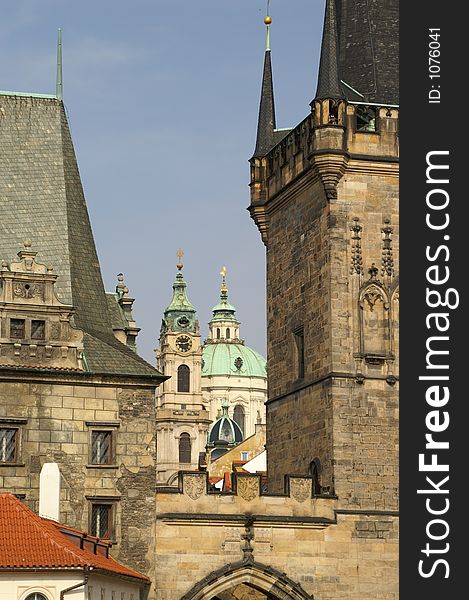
329, 103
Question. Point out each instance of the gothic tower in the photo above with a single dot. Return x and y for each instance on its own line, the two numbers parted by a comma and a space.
181, 419
324, 196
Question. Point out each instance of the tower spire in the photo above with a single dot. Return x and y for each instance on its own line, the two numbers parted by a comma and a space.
223, 289
266, 123
328, 79
59, 87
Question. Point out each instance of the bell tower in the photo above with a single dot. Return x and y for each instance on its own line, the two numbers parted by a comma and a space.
324, 195
181, 418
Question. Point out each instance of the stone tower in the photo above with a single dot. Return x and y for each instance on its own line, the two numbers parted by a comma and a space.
181, 418
324, 196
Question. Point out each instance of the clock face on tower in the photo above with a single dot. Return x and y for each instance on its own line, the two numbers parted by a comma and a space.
183, 343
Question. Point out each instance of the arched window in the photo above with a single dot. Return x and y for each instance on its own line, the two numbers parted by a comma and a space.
184, 375
314, 472
185, 448
238, 416
36, 596
227, 334
218, 333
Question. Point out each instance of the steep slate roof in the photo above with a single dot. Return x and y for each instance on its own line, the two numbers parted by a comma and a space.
369, 48
41, 199
329, 85
266, 123
29, 542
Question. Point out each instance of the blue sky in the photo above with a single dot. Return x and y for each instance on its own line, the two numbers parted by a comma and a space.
162, 98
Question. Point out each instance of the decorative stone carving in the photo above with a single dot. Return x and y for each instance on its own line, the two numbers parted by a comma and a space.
300, 489
387, 260
357, 260
372, 295
248, 487
194, 486
25, 290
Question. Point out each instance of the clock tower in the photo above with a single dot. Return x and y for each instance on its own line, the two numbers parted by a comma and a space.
181, 418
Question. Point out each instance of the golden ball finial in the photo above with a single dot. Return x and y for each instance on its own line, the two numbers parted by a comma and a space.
268, 20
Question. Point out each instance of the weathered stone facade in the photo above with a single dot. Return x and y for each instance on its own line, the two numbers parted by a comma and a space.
290, 545
326, 201
55, 415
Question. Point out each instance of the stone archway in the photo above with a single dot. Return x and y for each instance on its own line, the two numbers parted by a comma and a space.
249, 579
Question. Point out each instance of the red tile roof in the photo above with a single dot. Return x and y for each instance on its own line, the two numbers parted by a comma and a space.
30, 542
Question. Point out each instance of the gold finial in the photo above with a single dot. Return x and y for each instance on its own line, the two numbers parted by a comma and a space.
224, 289
268, 22
179, 254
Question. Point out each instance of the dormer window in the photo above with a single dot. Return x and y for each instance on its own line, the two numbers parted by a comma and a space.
366, 118
38, 330
17, 329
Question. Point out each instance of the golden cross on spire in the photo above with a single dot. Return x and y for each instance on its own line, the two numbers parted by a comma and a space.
179, 254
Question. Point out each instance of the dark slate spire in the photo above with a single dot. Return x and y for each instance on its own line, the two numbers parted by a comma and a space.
266, 123
328, 79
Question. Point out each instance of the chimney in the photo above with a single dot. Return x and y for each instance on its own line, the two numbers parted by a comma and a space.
49, 491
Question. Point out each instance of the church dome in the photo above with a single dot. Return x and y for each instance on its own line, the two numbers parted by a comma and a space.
225, 431
232, 359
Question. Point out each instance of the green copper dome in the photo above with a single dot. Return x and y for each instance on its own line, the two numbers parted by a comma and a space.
225, 432
232, 359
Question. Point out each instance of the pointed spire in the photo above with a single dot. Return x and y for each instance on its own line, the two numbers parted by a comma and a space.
266, 123
328, 79
223, 289
59, 87
180, 314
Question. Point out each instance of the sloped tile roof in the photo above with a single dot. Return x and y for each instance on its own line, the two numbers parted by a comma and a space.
28, 541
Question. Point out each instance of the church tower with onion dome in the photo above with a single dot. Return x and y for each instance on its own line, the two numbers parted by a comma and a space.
181, 419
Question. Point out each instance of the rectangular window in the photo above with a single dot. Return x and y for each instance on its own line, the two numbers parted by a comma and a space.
300, 352
101, 447
244, 455
101, 524
38, 330
8, 444
17, 329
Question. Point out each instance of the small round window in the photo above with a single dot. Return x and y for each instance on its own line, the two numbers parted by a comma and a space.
36, 596
183, 321
238, 362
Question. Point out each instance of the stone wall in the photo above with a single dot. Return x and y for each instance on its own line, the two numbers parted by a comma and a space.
55, 418
326, 203
206, 540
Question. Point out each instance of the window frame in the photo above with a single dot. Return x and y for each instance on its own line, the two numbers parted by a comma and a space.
183, 377
14, 337
35, 338
236, 411
111, 505
110, 450
185, 436
103, 427
300, 366
16, 424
